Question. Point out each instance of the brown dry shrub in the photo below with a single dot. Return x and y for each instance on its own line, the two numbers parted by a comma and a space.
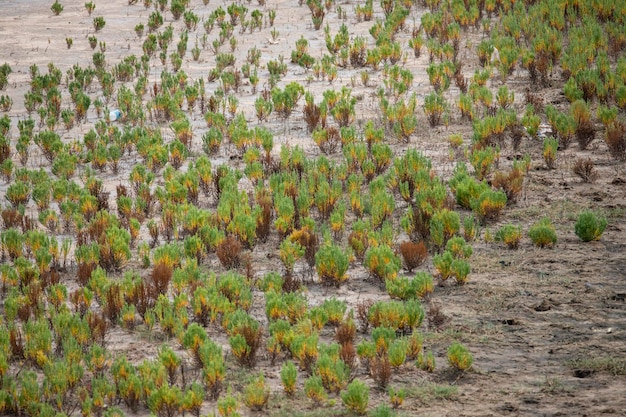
17, 344
98, 326
252, 337
79, 302
160, 277
584, 134
229, 252
413, 254
84, 272
585, 170
534, 99
380, 368
11, 218
615, 138
264, 221
113, 302
510, 182
347, 353
436, 318
312, 114
362, 313
459, 79
143, 297
291, 283
345, 333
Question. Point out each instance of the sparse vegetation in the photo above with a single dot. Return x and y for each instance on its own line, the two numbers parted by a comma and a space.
194, 203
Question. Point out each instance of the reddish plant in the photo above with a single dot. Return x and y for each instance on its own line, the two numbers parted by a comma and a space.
229, 252
160, 278
413, 254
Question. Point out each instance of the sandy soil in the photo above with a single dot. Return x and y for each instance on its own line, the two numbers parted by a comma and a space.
524, 314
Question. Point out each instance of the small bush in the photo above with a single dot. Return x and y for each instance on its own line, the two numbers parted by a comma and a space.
426, 361
542, 233
56, 8
380, 368
615, 138
229, 252
489, 205
356, 397
550, 146
256, 394
331, 263
589, 227
314, 389
397, 352
510, 235
585, 170
396, 396
288, 376
459, 357
382, 262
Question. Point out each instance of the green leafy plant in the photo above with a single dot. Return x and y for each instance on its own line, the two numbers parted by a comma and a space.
356, 397
589, 226
56, 8
435, 107
256, 393
98, 23
90, 7
542, 233
288, 376
550, 146
459, 357
382, 262
314, 389
331, 264
510, 235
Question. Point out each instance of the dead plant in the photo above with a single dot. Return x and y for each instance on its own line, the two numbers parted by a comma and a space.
229, 252
585, 170
413, 254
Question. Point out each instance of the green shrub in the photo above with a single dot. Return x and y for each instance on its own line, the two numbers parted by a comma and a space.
228, 405
331, 264
396, 396
397, 352
589, 226
459, 357
542, 233
443, 264
459, 248
335, 309
404, 288
356, 397
382, 410
489, 205
256, 393
56, 8
510, 235
333, 371
396, 314
426, 361
550, 146
382, 262
314, 389
288, 376
460, 269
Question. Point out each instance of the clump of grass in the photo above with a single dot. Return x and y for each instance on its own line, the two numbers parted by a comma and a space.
611, 365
